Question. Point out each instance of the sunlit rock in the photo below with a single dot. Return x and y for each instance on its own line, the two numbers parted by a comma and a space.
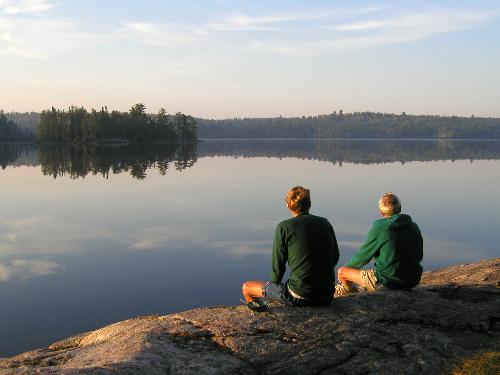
454, 313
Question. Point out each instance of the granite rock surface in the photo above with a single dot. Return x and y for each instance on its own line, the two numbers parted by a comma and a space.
453, 314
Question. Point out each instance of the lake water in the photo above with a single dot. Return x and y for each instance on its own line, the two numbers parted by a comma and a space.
90, 237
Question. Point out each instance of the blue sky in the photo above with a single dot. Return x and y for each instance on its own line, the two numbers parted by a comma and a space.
220, 59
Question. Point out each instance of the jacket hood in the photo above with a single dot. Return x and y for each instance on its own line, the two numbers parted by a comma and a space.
396, 221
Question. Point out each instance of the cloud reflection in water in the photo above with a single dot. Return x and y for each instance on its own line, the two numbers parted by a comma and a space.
22, 269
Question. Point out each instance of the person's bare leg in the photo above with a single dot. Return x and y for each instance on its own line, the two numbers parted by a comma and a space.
252, 290
349, 276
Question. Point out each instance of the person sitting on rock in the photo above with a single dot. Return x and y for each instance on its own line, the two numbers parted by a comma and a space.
308, 243
396, 244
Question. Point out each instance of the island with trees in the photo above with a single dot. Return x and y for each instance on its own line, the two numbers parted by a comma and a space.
77, 125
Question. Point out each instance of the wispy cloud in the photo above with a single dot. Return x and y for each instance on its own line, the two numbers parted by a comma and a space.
28, 29
424, 22
25, 6
26, 269
367, 25
155, 34
356, 31
35, 37
242, 22
164, 35
384, 30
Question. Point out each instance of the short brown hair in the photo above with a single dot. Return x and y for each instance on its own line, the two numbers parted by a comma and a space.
298, 199
389, 204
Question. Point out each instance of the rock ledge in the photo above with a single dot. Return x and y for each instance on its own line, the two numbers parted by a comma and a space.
454, 314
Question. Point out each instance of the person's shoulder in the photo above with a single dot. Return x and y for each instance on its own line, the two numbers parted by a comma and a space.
284, 223
379, 226
415, 226
380, 223
320, 220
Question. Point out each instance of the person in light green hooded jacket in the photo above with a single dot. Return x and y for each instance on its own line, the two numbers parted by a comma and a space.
396, 244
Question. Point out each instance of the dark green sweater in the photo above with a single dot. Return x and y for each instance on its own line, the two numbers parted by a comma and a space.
309, 245
396, 244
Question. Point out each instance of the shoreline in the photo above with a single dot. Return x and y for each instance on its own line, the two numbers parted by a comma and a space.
452, 315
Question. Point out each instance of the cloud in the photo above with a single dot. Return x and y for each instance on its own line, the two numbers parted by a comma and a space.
423, 23
30, 31
360, 34
154, 34
42, 37
25, 269
242, 22
25, 6
368, 25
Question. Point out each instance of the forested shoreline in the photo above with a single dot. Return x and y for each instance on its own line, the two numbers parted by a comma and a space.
354, 125
77, 125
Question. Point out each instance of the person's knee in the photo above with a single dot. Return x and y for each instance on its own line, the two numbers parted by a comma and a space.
249, 286
245, 285
341, 272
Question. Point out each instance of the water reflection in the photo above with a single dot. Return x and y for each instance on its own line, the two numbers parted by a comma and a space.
22, 269
354, 151
79, 254
78, 162
13, 154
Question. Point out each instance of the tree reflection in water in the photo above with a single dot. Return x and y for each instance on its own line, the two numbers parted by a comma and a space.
78, 162
136, 159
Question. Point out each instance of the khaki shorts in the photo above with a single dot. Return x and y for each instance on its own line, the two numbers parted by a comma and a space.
370, 281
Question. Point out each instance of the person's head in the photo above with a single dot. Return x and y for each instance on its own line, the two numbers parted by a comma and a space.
298, 200
389, 205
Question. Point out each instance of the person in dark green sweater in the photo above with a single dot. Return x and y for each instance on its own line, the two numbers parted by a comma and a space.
396, 244
308, 244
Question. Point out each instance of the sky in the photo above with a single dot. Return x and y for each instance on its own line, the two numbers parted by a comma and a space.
242, 58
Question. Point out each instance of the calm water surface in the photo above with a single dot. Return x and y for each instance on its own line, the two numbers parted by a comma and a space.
90, 237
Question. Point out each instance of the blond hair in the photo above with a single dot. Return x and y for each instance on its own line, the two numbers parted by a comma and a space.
298, 199
389, 204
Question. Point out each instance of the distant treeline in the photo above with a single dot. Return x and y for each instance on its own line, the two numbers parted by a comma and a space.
26, 120
136, 125
353, 125
9, 131
79, 126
